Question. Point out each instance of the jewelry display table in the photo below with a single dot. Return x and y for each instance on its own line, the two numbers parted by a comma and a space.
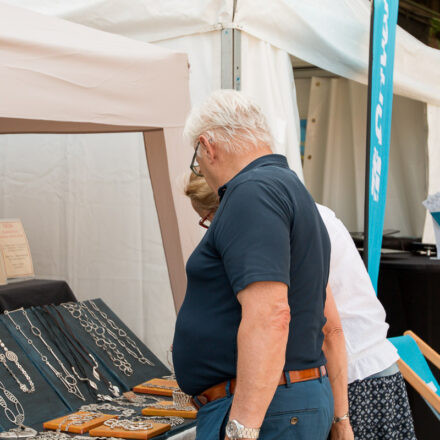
59, 360
34, 293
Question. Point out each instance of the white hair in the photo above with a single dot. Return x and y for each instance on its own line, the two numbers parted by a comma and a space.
229, 119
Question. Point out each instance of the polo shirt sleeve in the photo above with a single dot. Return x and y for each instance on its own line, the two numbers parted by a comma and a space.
252, 235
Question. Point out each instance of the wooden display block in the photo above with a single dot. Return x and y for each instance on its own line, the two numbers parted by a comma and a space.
105, 431
146, 388
164, 412
77, 429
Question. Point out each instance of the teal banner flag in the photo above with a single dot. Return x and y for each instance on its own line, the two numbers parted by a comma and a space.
382, 42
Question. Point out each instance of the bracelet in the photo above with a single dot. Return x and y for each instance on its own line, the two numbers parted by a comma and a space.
340, 419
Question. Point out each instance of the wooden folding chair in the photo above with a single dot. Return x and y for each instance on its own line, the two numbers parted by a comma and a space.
414, 368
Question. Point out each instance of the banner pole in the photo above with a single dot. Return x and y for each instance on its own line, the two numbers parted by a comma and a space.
368, 144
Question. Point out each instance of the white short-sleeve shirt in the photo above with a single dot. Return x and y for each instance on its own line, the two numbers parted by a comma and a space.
361, 313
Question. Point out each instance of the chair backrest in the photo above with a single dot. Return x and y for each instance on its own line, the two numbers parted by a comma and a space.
415, 369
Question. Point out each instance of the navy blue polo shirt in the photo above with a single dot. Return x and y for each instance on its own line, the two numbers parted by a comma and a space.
267, 228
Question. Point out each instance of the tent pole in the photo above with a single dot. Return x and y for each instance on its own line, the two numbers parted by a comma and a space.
231, 59
157, 161
368, 146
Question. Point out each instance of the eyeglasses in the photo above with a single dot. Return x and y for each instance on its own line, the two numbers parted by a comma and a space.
205, 222
195, 167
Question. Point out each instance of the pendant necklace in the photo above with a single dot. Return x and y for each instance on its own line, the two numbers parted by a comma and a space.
18, 418
68, 380
11, 356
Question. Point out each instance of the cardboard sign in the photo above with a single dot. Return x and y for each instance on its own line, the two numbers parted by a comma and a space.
3, 276
14, 249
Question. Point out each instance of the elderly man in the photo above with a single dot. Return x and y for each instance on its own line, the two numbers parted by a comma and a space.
249, 335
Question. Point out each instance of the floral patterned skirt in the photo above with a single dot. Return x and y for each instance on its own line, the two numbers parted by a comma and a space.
379, 409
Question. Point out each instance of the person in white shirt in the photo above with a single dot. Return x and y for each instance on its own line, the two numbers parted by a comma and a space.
378, 401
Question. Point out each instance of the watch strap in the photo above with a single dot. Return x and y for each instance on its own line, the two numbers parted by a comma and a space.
249, 433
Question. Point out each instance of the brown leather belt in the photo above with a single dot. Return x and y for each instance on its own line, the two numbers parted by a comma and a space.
219, 391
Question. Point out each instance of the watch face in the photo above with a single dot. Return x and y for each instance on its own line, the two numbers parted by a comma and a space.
231, 429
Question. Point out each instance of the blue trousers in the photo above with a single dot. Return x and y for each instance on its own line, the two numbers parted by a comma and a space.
298, 411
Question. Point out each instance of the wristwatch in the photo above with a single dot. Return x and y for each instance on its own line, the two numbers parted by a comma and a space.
235, 431
340, 419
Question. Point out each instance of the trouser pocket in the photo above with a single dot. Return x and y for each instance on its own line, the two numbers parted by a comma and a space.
211, 418
305, 424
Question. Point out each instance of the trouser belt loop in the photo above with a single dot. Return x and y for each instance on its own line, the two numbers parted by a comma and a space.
199, 401
320, 373
228, 388
288, 381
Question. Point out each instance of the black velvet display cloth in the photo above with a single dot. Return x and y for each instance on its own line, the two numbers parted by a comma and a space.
409, 289
34, 293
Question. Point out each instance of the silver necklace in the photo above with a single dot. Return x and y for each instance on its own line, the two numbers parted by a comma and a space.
126, 412
12, 357
170, 420
160, 387
138, 401
173, 406
47, 435
21, 432
18, 418
128, 425
76, 419
137, 354
181, 402
68, 380
79, 312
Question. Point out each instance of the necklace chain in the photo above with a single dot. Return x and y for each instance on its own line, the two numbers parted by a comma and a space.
79, 312
12, 357
137, 354
68, 380
16, 419
128, 425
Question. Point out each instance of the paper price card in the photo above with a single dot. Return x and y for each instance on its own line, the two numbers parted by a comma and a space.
14, 248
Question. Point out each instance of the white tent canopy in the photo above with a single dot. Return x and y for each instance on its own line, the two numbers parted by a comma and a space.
62, 77
330, 34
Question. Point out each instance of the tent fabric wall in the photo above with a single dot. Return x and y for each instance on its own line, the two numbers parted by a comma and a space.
87, 207
335, 155
334, 35
267, 77
433, 116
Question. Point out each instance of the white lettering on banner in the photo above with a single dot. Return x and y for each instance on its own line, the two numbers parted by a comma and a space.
375, 180
377, 160
378, 127
382, 76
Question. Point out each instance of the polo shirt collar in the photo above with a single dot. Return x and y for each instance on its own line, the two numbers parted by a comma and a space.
268, 159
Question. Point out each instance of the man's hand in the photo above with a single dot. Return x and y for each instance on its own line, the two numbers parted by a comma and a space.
342, 431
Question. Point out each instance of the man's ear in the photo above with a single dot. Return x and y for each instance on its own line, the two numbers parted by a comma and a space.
210, 148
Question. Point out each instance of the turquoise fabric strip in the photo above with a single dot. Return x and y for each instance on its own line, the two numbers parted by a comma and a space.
410, 353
